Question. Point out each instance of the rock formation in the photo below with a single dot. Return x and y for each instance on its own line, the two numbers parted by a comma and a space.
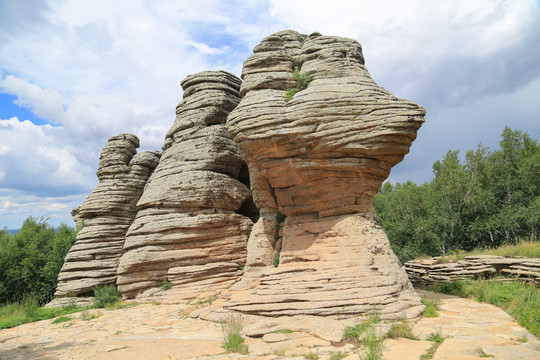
192, 225
107, 213
317, 161
430, 271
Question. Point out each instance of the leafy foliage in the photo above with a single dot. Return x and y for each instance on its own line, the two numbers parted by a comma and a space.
491, 199
31, 259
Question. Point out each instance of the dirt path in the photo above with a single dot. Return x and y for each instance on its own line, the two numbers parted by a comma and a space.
147, 331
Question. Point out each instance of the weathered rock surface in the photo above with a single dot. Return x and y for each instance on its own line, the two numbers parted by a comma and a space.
319, 159
429, 271
107, 214
192, 225
148, 331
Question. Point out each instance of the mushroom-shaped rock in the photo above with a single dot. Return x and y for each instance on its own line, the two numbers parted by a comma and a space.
317, 159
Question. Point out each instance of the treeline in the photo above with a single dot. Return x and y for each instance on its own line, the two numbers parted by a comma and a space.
491, 199
31, 259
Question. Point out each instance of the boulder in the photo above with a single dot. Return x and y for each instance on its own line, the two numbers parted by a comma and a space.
316, 161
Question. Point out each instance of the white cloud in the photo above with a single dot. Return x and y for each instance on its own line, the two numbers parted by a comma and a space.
42, 159
97, 68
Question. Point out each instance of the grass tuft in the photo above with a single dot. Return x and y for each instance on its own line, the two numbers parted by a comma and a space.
432, 305
401, 329
231, 328
61, 319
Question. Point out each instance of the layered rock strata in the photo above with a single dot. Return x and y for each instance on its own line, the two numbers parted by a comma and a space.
427, 272
107, 214
192, 225
318, 160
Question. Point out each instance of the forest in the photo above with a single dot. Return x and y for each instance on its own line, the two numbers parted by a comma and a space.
488, 199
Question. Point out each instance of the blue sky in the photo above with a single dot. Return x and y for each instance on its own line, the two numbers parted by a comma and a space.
75, 72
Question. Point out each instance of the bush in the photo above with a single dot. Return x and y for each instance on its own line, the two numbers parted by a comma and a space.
106, 295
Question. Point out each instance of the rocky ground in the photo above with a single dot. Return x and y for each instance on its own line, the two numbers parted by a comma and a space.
167, 331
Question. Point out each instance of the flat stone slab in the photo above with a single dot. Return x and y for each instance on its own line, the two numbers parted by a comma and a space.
160, 331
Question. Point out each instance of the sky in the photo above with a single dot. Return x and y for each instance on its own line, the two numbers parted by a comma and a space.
75, 72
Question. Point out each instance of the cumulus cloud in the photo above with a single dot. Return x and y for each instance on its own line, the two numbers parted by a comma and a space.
96, 68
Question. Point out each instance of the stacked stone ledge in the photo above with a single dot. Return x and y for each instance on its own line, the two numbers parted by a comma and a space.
106, 214
318, 159
193, 220
428, 272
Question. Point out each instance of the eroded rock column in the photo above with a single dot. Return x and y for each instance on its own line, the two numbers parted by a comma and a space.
319, 159
192, 225
107, 214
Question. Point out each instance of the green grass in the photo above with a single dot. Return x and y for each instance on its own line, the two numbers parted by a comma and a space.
528, 249
61, 319
482, 354
401, 329
337, 355
26, 311
432, 305
368, 345
231, 328
519, 299
437, 340
282, 331
311, 356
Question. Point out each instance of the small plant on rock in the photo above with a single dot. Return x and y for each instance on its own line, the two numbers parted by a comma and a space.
302, 81
166, 284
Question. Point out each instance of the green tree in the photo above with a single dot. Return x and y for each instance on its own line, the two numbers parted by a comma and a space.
30, 260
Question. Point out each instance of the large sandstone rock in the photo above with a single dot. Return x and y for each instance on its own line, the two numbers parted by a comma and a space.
318, 159
106, 214
193, 224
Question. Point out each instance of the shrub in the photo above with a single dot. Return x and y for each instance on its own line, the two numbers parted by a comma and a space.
106, 295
